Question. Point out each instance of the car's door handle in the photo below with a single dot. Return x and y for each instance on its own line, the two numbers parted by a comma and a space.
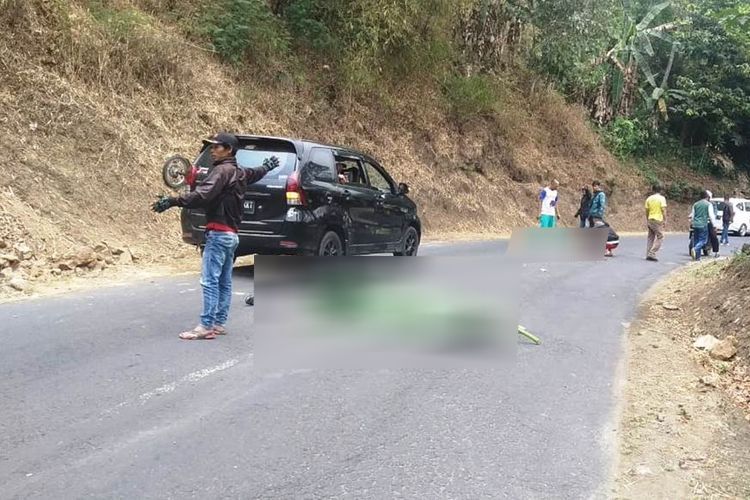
347, 194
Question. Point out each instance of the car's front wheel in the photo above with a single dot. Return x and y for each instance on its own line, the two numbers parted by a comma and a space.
411, 244
743, 230
330, 245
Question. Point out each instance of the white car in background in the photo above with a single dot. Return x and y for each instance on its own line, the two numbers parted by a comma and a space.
741, 224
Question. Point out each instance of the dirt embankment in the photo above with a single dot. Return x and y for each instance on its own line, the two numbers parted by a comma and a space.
685, 425
89, 110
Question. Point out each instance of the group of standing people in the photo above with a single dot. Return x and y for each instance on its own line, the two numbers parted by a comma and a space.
593, 204
704, 225
592, 207
590, 212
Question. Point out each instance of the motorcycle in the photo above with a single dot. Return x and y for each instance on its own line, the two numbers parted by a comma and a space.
613, 239
713, 239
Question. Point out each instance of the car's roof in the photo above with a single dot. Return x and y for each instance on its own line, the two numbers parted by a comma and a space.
301, 144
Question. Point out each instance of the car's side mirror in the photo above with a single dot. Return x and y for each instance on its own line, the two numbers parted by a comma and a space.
403, 188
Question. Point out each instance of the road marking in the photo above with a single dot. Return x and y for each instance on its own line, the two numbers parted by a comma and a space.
190, 377
170, 387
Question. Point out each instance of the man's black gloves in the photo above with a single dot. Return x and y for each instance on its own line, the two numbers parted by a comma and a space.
163, 204
270, 163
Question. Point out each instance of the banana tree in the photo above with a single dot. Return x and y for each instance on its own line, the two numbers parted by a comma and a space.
657, 100
629, 58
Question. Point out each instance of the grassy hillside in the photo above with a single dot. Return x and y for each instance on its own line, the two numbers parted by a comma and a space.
95, 95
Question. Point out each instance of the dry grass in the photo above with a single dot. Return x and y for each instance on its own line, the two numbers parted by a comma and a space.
679, 438
90, 105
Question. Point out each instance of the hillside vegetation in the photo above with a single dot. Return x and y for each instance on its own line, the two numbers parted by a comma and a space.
95, 94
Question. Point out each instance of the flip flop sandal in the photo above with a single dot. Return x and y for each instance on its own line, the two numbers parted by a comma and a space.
198, 334
220, 330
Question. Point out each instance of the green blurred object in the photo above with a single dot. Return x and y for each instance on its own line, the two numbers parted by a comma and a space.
417, 312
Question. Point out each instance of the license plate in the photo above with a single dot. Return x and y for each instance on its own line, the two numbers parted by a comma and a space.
249, 207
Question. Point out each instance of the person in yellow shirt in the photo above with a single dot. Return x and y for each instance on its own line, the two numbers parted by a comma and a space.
656, 218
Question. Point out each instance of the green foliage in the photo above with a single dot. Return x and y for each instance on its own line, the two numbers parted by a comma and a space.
736, 20
470, 96
692, 59
688, 59
682, 191
648, 172
244, 30
401, 38
118, 23
368, 41
626, 137
569, 34
310, 23
714, 78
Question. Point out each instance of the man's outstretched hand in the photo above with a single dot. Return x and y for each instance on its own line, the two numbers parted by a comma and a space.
163, 204
271, 163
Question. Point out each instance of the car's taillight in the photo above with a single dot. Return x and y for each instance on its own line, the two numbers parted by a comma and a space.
294, 193
191, 176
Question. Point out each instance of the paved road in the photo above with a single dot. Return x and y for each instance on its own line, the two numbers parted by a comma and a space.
99, 399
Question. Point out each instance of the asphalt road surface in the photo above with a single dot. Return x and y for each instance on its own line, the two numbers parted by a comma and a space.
99, 399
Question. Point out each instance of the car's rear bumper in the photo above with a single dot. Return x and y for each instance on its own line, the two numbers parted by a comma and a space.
264, 238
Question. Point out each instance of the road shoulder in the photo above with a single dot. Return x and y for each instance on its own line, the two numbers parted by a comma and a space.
680, 433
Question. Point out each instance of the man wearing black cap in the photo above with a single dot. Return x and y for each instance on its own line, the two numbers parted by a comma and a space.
221, 194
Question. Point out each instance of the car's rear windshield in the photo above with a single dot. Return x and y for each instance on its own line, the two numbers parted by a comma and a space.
252, 153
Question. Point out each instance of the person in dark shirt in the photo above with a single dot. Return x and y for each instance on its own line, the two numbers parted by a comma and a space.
727, 218
598, 204
221, 195
583, 209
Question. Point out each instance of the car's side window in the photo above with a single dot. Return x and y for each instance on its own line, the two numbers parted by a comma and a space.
350, 171
747, 206
321, 166
377, 179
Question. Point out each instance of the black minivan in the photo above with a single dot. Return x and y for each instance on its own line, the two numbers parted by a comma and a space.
322, 200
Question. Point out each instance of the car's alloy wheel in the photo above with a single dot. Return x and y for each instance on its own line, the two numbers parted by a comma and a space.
411, 244
330, 245
743, 230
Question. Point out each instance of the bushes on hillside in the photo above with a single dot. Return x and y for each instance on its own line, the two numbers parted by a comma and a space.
244, 30
470, 96
626, 137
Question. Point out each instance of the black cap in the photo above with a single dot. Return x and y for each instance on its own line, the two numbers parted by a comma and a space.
225, 139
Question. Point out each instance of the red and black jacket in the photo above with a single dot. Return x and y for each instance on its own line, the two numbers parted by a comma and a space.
222, 193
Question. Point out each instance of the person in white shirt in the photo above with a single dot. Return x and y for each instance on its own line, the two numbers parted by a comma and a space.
549, 197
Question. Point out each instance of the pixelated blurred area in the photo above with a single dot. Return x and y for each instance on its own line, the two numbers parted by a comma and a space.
381, 312
557, 244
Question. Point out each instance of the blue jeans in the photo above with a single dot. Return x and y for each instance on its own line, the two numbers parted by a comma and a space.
725, 233
216, 277
700, 238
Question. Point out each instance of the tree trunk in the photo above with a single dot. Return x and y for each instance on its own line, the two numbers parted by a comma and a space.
489, 38
629, 90
602, 110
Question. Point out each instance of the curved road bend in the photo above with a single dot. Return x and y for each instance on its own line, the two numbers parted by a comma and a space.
99, 399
